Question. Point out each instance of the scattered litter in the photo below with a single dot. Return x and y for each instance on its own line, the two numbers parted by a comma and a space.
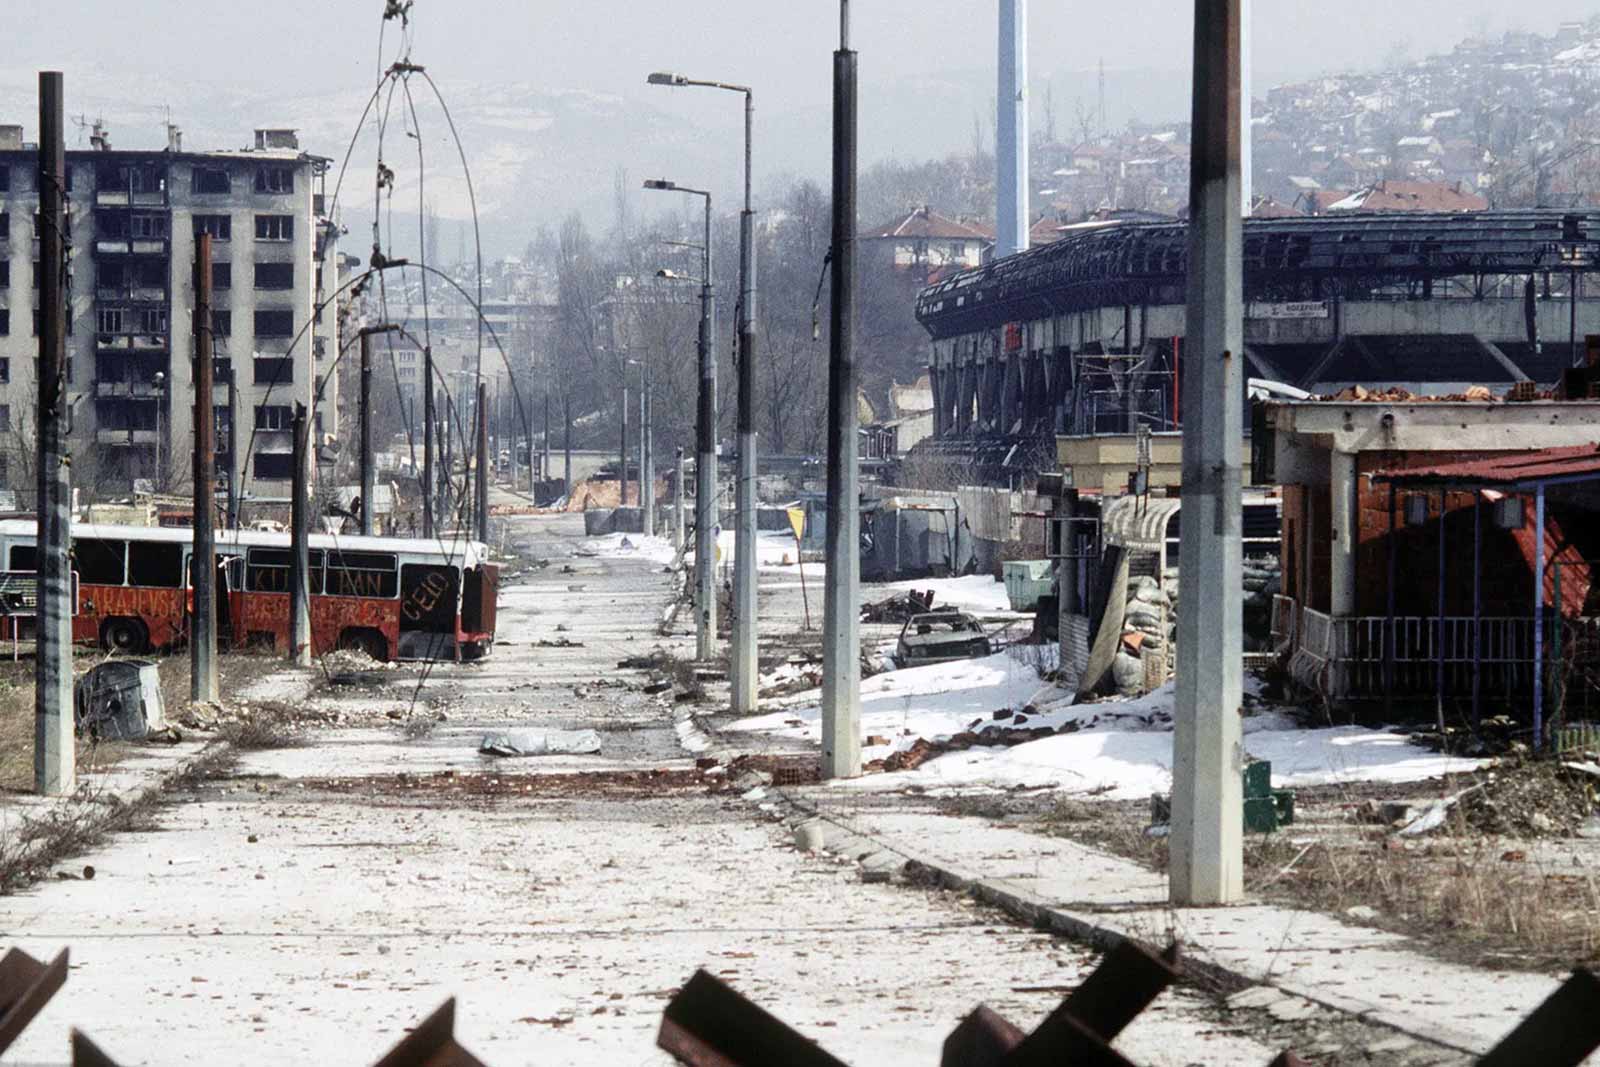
541, 743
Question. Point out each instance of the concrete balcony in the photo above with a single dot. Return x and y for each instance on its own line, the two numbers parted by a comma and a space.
125, 438
110, 341
143, 294
125, 390
150, 246
110, 198
112, 246
150, 342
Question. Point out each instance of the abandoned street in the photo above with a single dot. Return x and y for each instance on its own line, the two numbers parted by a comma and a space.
315, 901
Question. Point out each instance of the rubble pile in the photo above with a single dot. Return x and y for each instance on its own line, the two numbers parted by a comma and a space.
1531, 798
898, 608
1475, 394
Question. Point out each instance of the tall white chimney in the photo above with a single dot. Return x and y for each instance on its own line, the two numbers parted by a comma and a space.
1247, 134
1011, 131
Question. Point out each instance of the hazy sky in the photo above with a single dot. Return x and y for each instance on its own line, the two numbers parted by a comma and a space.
780, 46
926, 70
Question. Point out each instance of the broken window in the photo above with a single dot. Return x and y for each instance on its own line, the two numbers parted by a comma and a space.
221, 324
370, 574
99, 562
5, 322
5, 274
153, 320
222, 275
274, 179
273, 323
5, 178
275, 466
274, 275
149, 226
5, 418
210, 180
279, 371
220, 227
110, 320
274, 417
5, 370
274, 227
155, 563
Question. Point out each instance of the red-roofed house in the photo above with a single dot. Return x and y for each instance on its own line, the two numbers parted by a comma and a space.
1411, 196
924, 240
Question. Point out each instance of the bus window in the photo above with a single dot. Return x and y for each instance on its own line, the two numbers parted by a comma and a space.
155, 563
428, 598
369, 574
99, 562
24, 558
268, 570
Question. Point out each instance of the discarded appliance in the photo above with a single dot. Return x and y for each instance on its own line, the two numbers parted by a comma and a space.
940, 637
540, 743
119, 701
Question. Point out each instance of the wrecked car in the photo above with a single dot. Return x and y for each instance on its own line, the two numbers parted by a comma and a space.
940, 637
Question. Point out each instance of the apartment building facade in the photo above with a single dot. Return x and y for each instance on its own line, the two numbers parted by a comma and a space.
133, 220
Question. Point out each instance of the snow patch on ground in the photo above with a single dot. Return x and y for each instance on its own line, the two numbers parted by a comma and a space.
1124, 752
974, 592
931, 702
632, 546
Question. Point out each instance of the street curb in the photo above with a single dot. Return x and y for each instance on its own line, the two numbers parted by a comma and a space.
862, 846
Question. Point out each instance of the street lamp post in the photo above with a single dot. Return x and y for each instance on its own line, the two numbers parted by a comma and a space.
744, 567
705, 507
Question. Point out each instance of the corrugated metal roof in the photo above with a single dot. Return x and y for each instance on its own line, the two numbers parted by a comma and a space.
1511, 469
1138, 522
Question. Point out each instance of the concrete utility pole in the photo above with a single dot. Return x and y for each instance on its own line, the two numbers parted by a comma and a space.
647, 475
1207, 865
54, 754
705, 505
365, 454
1011, 131
544, 446
677, 506
622, 454
233, 452
427, 441
481, 506
203, 631
746, 642
368, 475
841, 626
300, 547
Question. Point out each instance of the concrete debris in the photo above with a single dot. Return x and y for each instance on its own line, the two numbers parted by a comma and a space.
541, 743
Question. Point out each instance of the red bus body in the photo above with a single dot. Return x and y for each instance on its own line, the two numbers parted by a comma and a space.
395, 598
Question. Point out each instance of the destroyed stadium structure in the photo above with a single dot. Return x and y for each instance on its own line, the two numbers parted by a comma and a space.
1085, 336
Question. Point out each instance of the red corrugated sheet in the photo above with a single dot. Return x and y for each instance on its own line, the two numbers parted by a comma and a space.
1510, 469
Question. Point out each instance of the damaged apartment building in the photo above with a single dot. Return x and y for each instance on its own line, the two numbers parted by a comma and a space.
133, 217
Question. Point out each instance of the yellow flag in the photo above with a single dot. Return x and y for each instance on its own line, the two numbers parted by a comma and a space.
797, 520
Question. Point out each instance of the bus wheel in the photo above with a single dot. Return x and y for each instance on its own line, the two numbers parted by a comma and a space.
124, 635
370, 642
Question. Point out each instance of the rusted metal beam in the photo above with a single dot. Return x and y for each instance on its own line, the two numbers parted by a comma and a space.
432, 1044
1128, 979
982, 1040
708, 1024
86, 1053
1561, 1032
26, 986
